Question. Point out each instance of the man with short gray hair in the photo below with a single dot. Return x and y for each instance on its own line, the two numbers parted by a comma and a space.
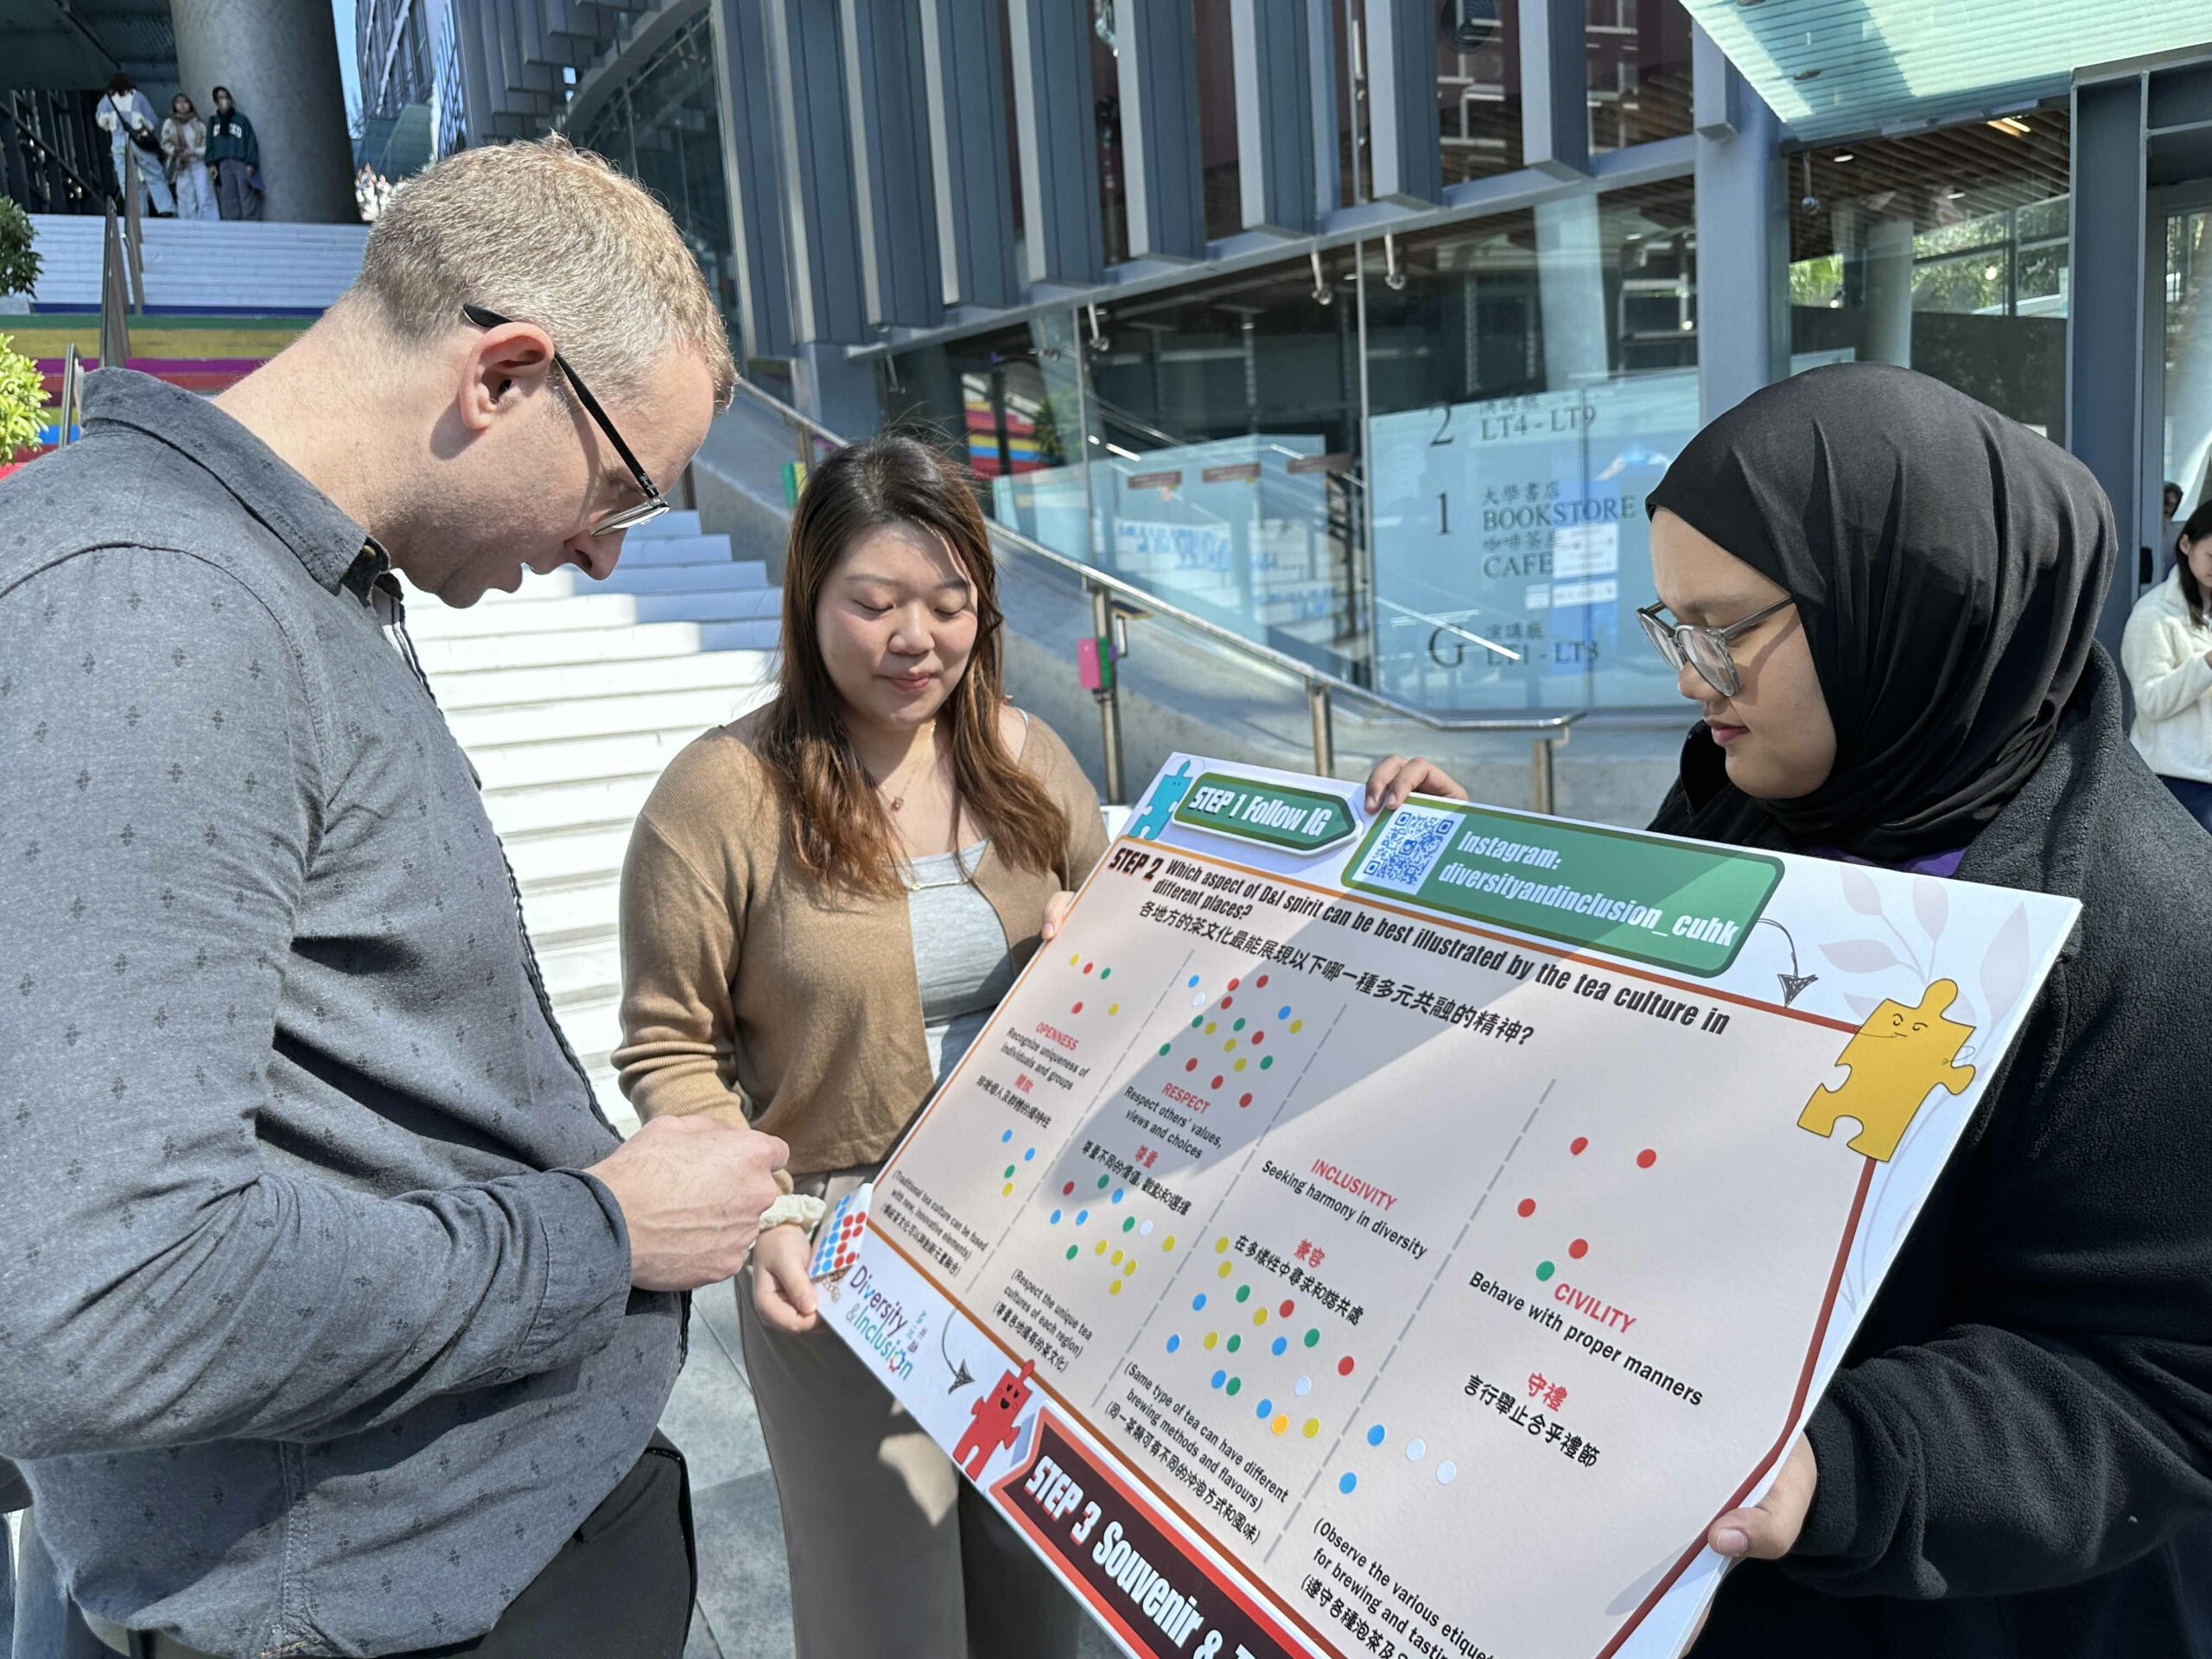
335, 1319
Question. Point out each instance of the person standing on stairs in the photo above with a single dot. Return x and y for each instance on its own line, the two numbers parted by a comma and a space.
128, 119
822, 905
234, 157
337, 1317
184, 147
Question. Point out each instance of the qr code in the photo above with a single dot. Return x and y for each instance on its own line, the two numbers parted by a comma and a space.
1407, 849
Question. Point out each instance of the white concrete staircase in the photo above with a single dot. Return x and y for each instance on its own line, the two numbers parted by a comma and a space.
570, 697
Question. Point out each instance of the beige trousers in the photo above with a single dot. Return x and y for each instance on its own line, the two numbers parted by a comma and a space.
892, 1552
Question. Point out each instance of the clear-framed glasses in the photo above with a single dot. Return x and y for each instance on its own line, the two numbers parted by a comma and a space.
1688, 645
607, 523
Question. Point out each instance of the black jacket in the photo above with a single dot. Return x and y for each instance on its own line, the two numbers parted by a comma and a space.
2016, 1458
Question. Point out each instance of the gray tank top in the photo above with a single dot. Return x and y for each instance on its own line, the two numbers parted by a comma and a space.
961, 965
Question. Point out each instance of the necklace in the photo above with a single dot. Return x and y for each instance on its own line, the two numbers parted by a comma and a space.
899, 800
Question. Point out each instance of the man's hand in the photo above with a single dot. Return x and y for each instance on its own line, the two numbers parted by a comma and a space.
691, 1191
1395, 778
1767, 1530
1056, 913
783, 1295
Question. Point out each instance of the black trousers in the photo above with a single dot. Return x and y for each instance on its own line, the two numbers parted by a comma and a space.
622, 1585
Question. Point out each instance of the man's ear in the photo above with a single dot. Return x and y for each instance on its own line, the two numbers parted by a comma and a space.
505, 364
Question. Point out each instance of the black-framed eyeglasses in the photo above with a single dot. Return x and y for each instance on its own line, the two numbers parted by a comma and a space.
1688, 645
607, 523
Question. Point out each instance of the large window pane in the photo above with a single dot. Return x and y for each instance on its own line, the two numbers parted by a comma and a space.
1942, 251
1529, 381
1479, 87
1638, 53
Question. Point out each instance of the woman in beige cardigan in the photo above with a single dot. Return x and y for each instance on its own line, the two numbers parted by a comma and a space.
822, 904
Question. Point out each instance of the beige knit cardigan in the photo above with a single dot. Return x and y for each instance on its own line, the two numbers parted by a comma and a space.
750, 990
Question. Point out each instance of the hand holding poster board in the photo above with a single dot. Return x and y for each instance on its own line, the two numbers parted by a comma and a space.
1407, 1235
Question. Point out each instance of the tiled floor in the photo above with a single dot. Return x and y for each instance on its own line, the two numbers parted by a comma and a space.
744, 1595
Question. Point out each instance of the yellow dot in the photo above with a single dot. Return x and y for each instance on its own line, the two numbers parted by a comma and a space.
1312, 1426
1259, 1316
1209, 1027
1239, 1066
1101, 1251
1168, 1243
1280, 1424
1113, 1289
1298, 1025
1221, 1245
1113, 1007
1230, 1046
1117, 1258
1129, 1268
1225, 1269
1075, 958
1213, 1336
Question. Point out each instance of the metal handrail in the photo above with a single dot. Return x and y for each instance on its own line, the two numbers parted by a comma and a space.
1321, 686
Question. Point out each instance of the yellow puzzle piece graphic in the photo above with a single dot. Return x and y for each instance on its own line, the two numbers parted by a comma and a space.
1899, 1054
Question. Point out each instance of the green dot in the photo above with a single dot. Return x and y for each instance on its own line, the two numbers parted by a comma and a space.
1105, 973
1103, 1179
1265, 1064
1196, 1020
1312, 1337
1235, 1343
1243, 1292
1009, 1172
1129, 1225
1163, 1048
1544, 1269
1070, 1252
1239, 1026
1234, 1383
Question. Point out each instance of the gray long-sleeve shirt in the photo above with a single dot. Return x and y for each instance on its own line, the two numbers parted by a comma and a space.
311, 1339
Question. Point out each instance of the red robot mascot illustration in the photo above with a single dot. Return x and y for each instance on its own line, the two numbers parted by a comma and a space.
993, 1425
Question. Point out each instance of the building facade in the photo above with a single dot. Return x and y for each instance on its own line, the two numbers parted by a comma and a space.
1363, 327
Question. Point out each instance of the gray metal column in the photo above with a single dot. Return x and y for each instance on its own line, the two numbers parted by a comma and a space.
2104, 324
475, 85
749, 173
1276, 114
815, 166
1555, 87
1407, 146
1158, 69
1571, 287
1055, 115
889, 103
971, 163
1743, 235
280, 61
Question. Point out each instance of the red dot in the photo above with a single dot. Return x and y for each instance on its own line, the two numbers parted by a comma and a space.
1079, 1008
1286, 1306
1246, 1101
1216, 1083
1229, 1002
1234, 983
1088, 966
1344, 1366
1579, 1248
1259, 1036
1069, 1188
1191, 1065
1581, 1144
1261, 983
1527, 1207
1645, 1159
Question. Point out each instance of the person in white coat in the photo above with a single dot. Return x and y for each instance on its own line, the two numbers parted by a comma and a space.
184, 146
2167, 652
128, 119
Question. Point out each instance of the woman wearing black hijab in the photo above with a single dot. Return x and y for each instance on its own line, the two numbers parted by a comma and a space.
1882, 597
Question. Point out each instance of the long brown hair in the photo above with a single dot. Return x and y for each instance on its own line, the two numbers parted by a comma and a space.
836, 822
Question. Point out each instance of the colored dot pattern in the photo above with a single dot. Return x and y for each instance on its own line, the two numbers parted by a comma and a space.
1579, 1248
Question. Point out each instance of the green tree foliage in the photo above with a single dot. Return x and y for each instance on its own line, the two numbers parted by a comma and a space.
18, 259
22, 401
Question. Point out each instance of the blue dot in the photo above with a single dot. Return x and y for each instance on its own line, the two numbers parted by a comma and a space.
1267, 1409
1198, 1302
1082, 1215
1219, 1377
1027, 1155
1375, 1435
1281, 1343
1194, 980
1056, 1217
1347, 1483
1283, 1012
1173, 1342
1117, 1195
